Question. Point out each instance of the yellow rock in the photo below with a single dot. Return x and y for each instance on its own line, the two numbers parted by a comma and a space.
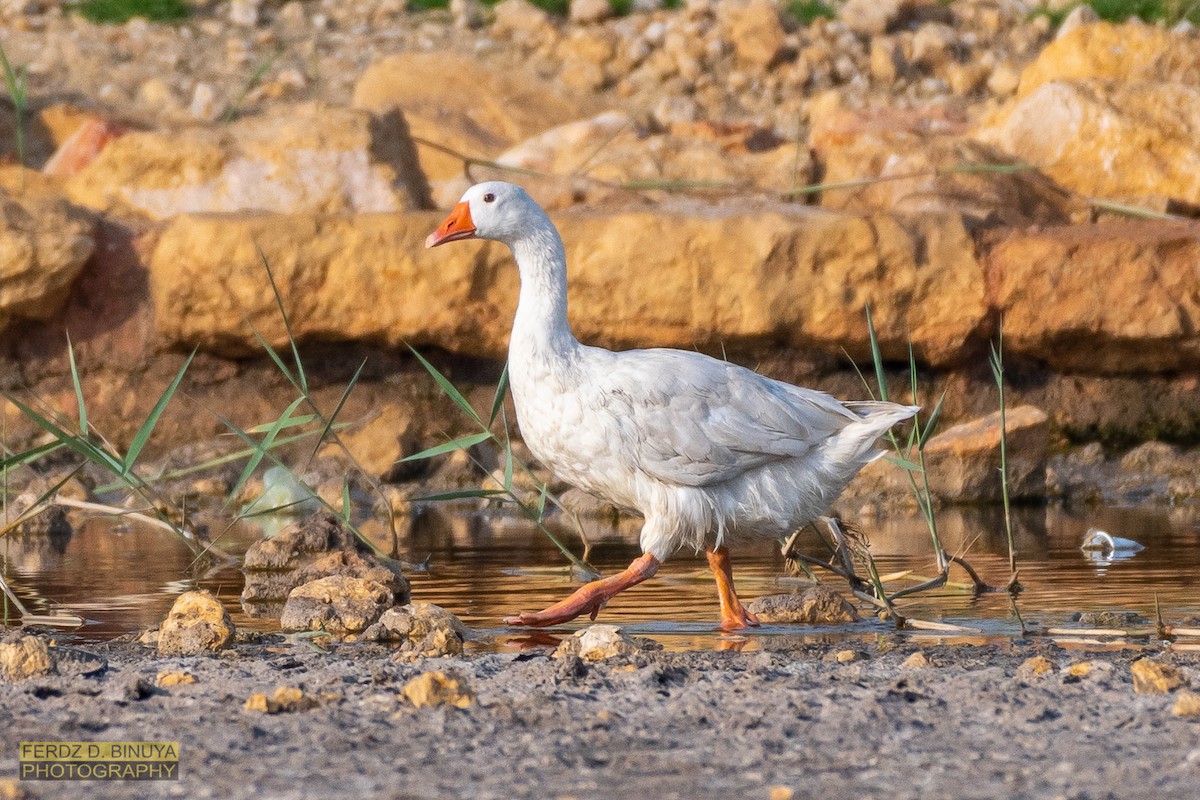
1118, 294
27, 657
917, 660
44, 243
1187, 705
286, 699
458, 103
197, 623
642, 278
11, 789
847, 656
1036, 666
166, 679
781, 793
1080, 670
436, 689
1155, 677
1124, 140
336, 603
304, 158
598, 643
1129, 52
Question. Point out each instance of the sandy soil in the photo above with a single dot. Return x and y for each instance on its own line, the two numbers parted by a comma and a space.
656, 725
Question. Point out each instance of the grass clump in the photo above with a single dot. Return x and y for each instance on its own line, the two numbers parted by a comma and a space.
1168, 12
118, 12
16, 82
808, 10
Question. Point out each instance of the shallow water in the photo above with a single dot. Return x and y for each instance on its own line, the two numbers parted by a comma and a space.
482, 566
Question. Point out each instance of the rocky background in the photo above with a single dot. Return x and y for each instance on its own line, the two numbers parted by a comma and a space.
739, 177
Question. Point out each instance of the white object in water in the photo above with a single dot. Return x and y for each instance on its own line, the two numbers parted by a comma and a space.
710, 453
1096, 539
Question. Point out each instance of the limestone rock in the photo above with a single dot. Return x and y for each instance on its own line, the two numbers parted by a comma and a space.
873, 17
287, 699
461, 104
818, 605
305, 158
917, 660
1124, 52
44, 243
1187, 705
598, 643
25, 657
880, 146
522, 21
337, 604
1128, 140
1155, 677
353, 564
1035, 667
963, 461
672, 276
755, 30
587, 11
425, 629
299, 544
196, 624
169, 678
1120, 293
438, 689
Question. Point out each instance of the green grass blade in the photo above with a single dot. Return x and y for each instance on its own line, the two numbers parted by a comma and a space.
463, 494
88, 450
346, 500
287, 323
338, 408
448, 387
461, 443
83, 421
931, 425
293, 422
143, 434
498, 399
261, 447
30, 455
876, 357
279, 362
904, 463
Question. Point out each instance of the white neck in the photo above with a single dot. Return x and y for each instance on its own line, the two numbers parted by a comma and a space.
540, 331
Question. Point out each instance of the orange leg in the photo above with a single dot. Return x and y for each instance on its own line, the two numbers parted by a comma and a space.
591, 597
734, 615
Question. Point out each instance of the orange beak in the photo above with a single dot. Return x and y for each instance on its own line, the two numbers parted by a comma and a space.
457, 226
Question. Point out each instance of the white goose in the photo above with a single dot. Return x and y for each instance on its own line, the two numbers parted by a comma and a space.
708, 452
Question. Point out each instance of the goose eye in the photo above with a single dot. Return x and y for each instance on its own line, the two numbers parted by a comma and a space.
489, 198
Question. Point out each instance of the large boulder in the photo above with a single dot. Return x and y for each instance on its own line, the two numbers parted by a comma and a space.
1135, 141
455, 102
338, 604
1128, 52
675, 276
1117, 297
300, 159
196, 624
44, 243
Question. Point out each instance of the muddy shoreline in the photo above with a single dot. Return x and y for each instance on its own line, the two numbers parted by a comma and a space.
971, 724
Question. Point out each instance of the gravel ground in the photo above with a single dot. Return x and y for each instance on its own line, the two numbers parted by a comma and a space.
787, 722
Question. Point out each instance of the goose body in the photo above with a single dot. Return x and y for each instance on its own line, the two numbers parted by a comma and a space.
709, 453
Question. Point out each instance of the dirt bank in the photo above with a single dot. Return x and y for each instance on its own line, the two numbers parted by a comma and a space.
972, 724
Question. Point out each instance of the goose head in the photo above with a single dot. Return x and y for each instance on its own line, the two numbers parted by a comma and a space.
493, 210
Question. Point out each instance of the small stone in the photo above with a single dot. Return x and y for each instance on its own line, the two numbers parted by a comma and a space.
11, 789
26, 657
1035, 667
155, 92
204, 103
244, 12
584, 12
781, 793
933, 44
818, 605
197, 623
466, 13
886, 60
598, 643
755, 29
425, 629
520, 20
917, 660
337, 604
1187, 705
848, 656
1155, 677
438, 689
1081, 15
1080, 670
177, 678
873, 17
286, 699
1004, 80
